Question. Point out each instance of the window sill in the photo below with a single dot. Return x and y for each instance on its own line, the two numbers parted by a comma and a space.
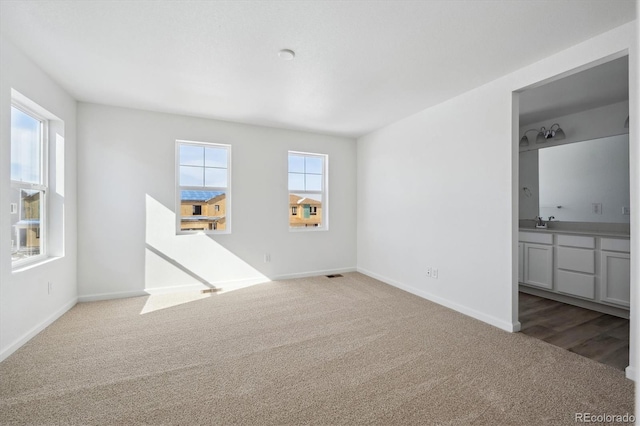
309, 229
23, 267
202, 233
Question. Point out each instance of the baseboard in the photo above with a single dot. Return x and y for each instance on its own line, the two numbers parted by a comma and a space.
224, 285
313, 273
109, 296
631, 373
37, 329
496, 322
196, 287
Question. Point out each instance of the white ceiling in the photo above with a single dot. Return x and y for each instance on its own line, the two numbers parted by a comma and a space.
359, 65
598, 86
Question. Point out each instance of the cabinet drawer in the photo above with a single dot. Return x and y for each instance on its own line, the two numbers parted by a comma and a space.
576, 241
575, 259
615, 244
576, 284
533, 237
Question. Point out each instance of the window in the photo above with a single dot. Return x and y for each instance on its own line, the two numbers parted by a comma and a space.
307, 190
29, 189
203, 187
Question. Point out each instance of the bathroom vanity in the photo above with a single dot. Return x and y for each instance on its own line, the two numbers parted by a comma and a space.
588, 269
583, 257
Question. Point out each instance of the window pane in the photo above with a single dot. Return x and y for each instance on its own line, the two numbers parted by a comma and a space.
215, 177
296, 182
191, 176
191, 155
203, 210
215, 157
296, 163
26, 211
25, 147
313, 165
313, 182
308, 209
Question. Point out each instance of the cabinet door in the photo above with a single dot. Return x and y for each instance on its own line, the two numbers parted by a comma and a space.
538, 265
520, 262
615, 282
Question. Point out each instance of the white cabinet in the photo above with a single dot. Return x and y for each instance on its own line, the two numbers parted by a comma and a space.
576, 266
614, 285
538, 265
594, 269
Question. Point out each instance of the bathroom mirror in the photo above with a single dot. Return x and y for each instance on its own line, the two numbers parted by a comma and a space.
579, 182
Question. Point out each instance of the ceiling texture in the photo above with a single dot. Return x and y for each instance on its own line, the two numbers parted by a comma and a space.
359, 65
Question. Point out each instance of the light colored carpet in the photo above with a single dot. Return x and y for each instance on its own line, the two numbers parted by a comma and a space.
321, 351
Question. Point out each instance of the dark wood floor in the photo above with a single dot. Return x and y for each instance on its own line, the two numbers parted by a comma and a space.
592, 334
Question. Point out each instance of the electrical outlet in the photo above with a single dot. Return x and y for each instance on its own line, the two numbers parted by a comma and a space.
596, 208
626, 211
267, 258
434, 273
429, 271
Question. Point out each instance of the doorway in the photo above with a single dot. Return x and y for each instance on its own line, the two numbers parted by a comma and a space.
571, 293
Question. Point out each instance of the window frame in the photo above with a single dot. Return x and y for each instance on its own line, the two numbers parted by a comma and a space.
179, 188
43, 186
324, 193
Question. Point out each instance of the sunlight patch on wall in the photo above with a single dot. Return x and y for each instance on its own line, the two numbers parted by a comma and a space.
175, 263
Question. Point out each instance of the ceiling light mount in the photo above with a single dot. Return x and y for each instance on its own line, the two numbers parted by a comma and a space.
553, 132
287, 54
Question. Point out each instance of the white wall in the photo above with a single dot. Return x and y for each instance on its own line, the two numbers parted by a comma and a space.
26, 307
449, 178
126, 173
529, 185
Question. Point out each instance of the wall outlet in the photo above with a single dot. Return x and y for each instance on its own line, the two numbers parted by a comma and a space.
14, 208
429, 271
434, 273
267, 257
596, 208
626, 211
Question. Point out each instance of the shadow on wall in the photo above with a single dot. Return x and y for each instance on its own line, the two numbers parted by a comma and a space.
187, 262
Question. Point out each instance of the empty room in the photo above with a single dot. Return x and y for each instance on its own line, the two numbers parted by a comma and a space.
319, 212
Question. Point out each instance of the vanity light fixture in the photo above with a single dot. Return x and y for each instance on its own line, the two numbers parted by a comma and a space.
626, 123
552, 132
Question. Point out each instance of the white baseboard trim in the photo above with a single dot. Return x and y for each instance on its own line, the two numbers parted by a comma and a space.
313, 273
224, 285
631, 373
496, 322
37, 329
109, 296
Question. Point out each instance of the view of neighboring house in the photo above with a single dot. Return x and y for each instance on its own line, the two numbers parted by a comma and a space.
202, 210
304, 211
27, 226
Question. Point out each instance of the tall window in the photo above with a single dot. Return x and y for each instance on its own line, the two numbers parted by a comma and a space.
203, 187
28, 185
307, 190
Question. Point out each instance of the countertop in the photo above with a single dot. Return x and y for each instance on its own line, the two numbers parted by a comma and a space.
612, 234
